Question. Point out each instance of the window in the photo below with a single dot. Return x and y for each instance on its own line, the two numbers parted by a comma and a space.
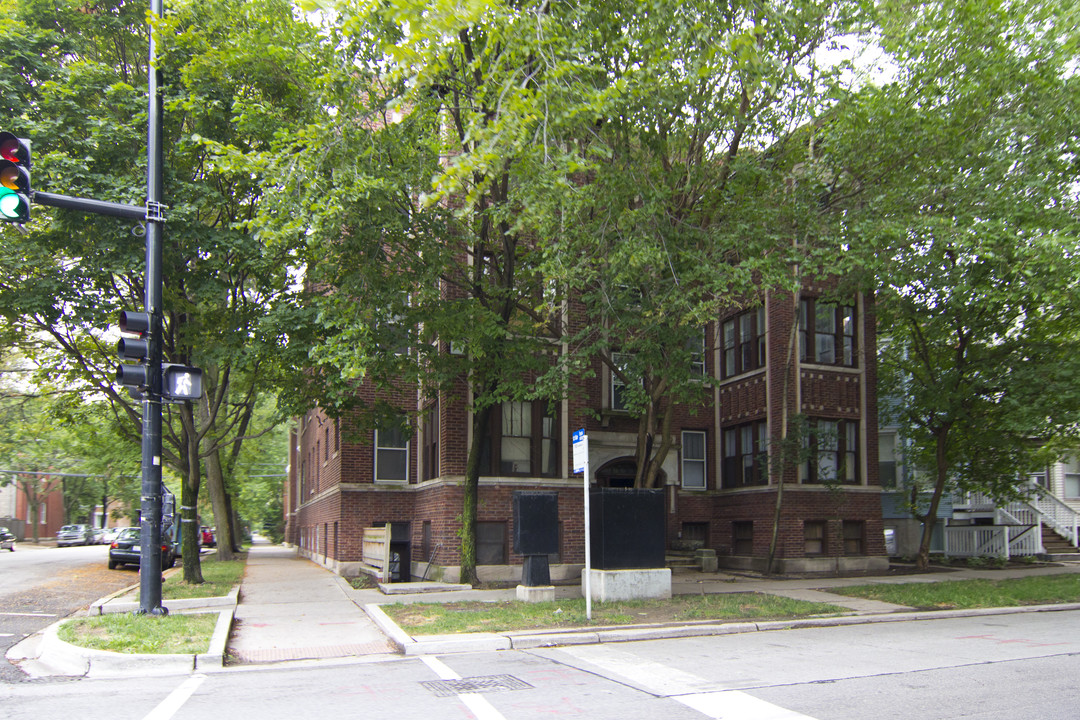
887, 459
522, 440
832, 452
744, 343
814, 537
696, 347
430, 442
618, 387
693, 460
854, 532
391, 455
826, 333
491, 543
425, 540
1072, 478
745, 455
742, 537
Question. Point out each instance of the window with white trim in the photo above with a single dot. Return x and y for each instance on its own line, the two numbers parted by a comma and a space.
693, 460
1072, 477
391, 455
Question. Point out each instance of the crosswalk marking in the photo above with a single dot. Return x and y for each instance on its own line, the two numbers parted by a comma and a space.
694, 691
477, 704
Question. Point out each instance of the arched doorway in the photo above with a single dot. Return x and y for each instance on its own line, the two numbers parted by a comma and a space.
617, 473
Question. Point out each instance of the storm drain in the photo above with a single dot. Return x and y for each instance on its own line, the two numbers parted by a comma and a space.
484, 684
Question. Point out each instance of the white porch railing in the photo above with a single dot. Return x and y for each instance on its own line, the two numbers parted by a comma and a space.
1061, 518
992, 540
1038, 508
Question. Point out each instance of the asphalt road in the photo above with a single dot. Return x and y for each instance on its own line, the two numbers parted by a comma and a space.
40, 585
1005, 666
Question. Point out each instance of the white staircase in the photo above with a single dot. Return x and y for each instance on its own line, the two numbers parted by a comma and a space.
1017, 529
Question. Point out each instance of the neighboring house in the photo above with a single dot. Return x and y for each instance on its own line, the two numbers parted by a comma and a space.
720, 489
50, 515
1045, 523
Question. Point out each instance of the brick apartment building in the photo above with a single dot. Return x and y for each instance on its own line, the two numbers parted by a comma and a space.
720, 488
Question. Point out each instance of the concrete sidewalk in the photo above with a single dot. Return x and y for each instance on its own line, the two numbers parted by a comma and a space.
293, 609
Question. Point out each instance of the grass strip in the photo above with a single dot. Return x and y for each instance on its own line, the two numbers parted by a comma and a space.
964, 594
219, 579
130, 633
174, 633
508, 616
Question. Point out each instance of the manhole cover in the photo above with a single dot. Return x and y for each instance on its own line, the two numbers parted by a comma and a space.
484, 684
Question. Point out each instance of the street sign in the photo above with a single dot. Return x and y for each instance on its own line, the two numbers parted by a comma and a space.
581, 465
581, 451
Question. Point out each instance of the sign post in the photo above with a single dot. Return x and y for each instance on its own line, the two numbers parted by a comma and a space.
581, 465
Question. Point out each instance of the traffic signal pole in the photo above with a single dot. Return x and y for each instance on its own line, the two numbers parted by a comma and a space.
150, 540
185, 383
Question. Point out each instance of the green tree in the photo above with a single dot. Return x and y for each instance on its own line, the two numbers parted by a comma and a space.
690, 194
230, 81
484, 163
962, 173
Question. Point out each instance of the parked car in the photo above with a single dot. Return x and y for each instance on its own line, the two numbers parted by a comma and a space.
208, 539
108, 535
74, 535
125, 550
7, 540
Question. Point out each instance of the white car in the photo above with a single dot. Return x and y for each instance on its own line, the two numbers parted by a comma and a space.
7, 540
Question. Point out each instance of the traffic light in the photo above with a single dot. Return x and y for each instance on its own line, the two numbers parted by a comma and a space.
180, 382
14, 178
133, 376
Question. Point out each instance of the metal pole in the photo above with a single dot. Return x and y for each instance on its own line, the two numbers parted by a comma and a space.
588, 537
150, 540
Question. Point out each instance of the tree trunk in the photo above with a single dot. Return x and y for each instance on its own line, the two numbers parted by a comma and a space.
234, 525
929, 519
215, 487
470, 498
785, 419
654, 461
189, 499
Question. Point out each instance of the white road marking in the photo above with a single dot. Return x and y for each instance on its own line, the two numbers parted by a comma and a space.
694, 691
731, 704
176, 699
477, 704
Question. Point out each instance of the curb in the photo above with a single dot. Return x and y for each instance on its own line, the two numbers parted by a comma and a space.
106, 606
46, 654
487, 642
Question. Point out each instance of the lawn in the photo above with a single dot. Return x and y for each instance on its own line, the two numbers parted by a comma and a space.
220, 578
950, 594
129, 633
460, 617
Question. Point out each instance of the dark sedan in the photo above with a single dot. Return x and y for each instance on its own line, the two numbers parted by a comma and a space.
125, 550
